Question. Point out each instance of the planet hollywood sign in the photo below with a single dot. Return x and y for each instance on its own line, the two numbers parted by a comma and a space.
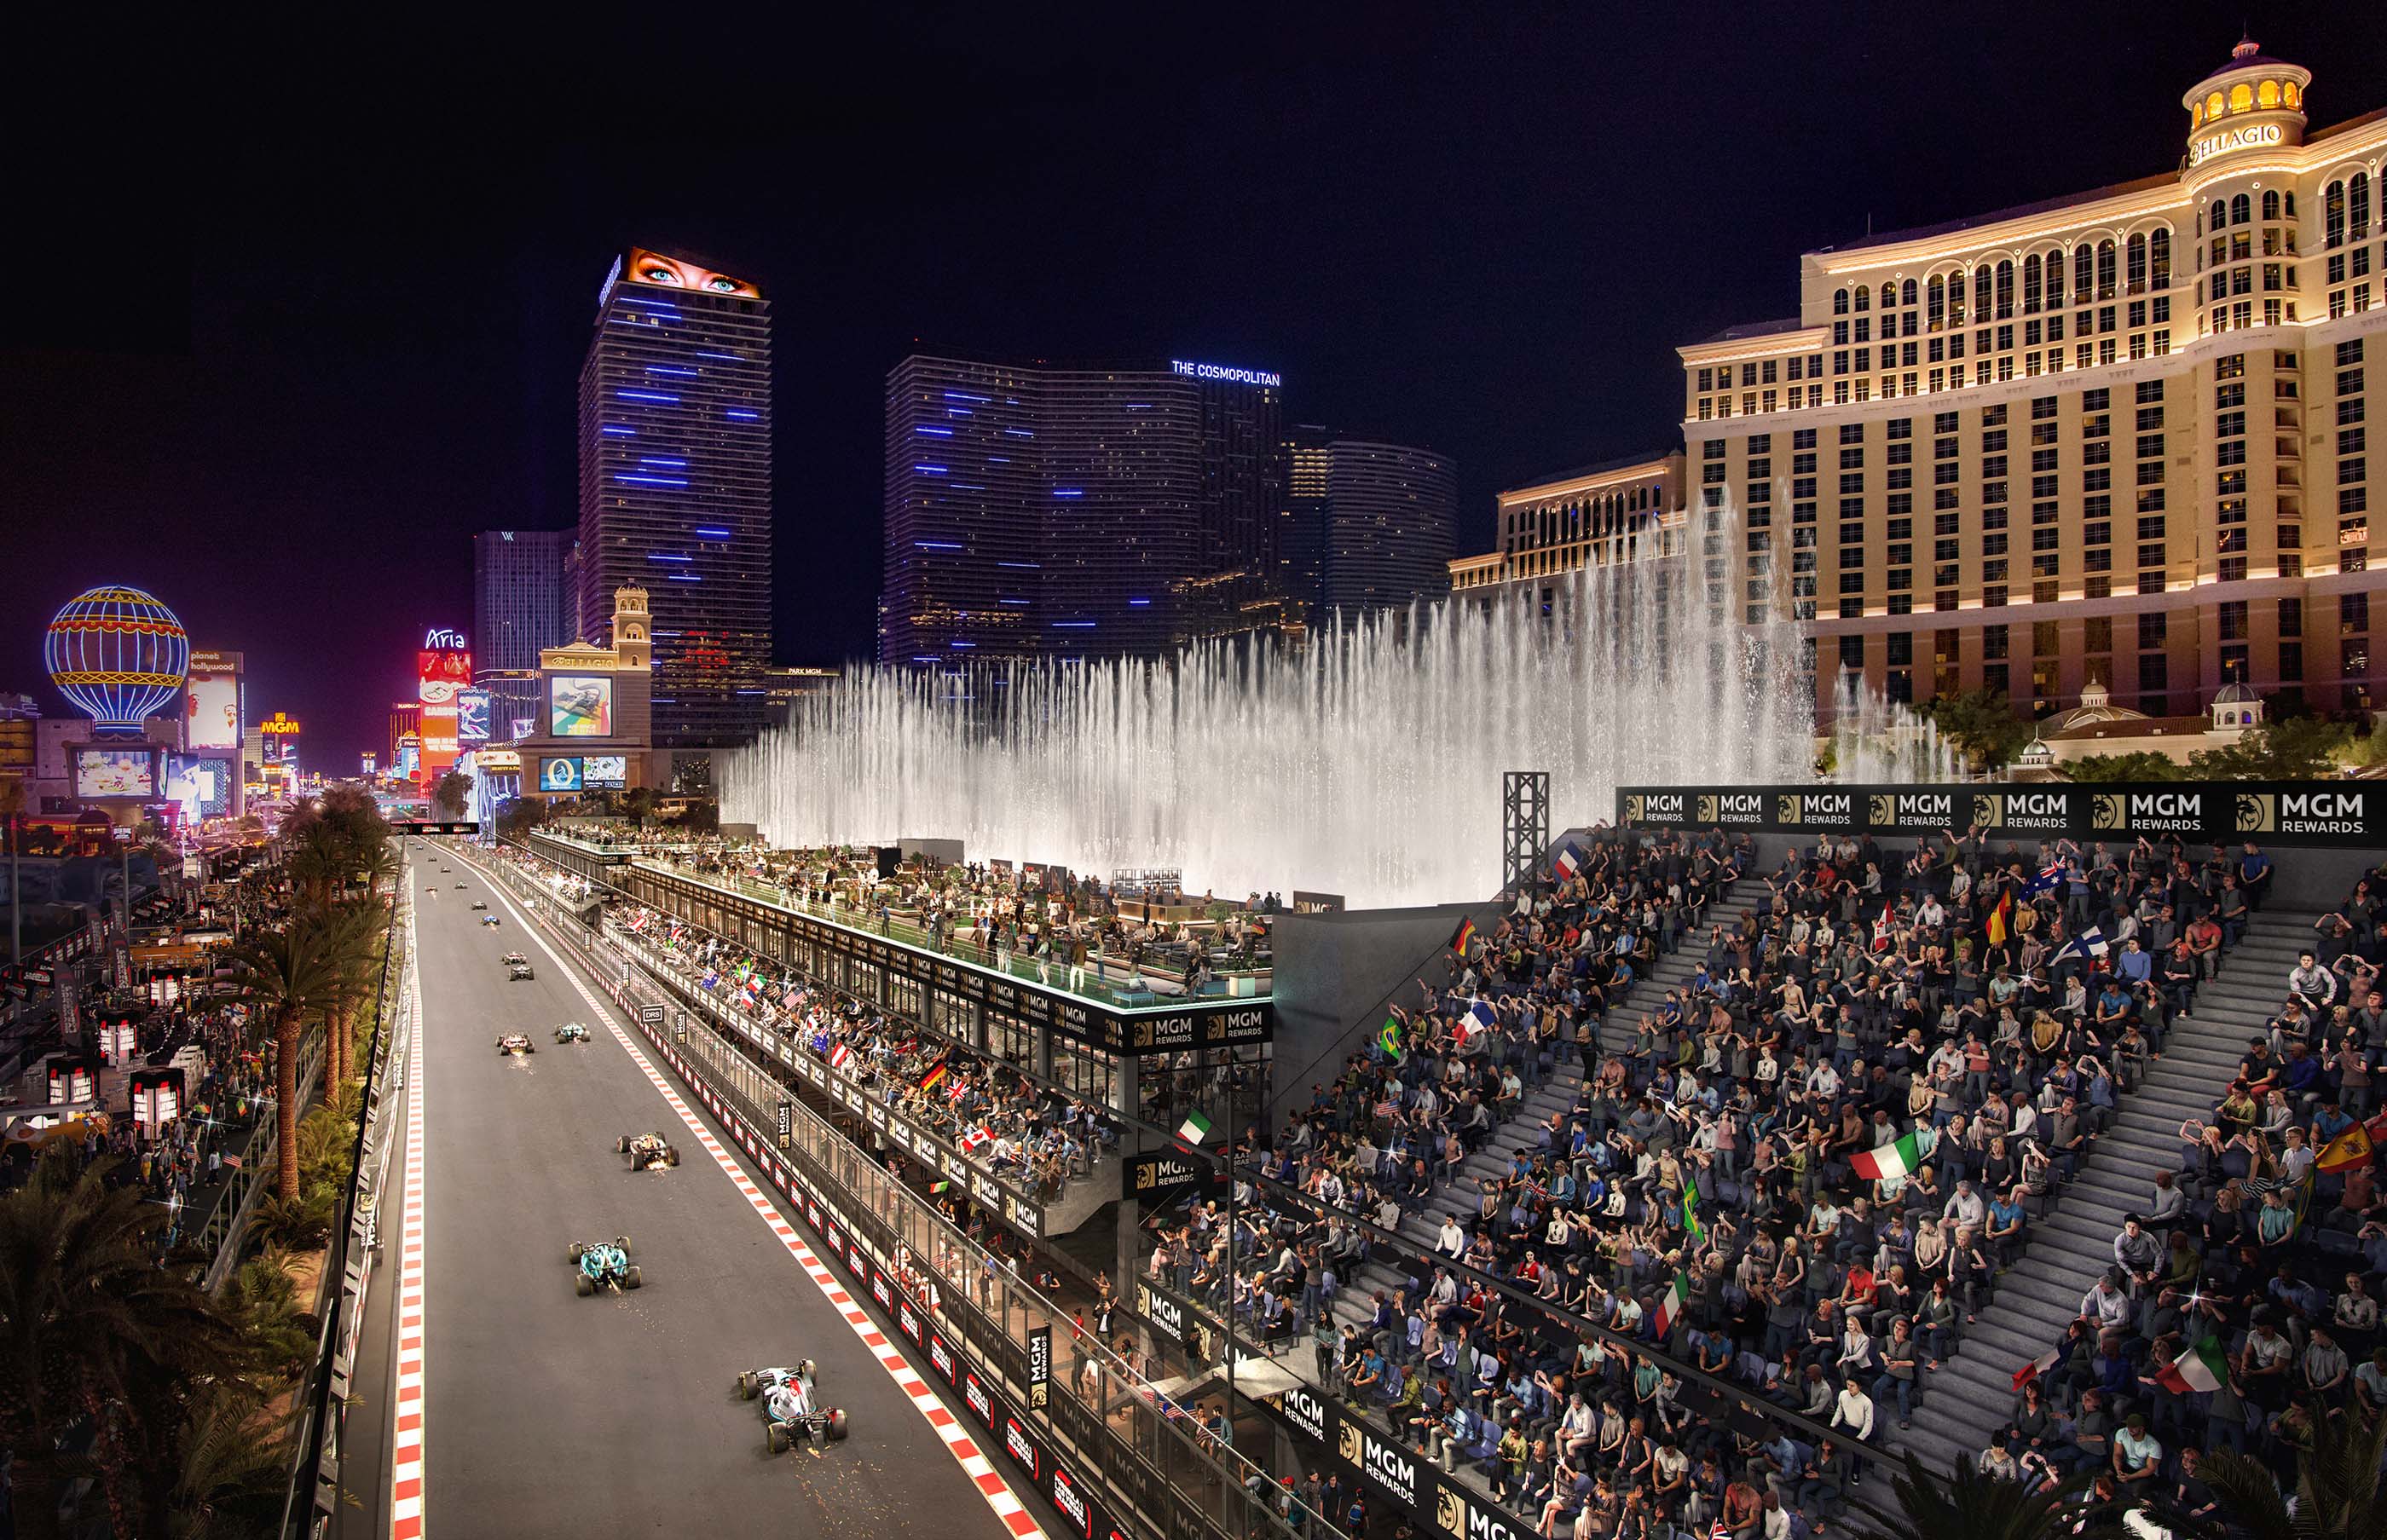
2333, 813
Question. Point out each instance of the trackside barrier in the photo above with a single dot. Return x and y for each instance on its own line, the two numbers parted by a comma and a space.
1131, 1463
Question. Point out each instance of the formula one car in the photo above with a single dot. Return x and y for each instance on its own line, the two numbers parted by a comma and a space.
571, 1032
516, 1044
487, 919
646, 1151
511, 958
791, 1406
603, 1265
477, 904
517, 972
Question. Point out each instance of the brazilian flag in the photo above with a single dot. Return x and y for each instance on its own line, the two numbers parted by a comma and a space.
1389, 1039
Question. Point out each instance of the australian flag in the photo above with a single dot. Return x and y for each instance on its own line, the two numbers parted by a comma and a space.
2048, 877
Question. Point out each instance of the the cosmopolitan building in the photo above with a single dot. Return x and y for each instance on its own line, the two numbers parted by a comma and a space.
675, 486
1369, 524
1052, 510
2116, 437
520, 607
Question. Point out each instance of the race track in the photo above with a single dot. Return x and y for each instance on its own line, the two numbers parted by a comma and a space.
549, 1414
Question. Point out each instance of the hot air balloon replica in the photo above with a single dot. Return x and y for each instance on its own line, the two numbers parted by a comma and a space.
119, 655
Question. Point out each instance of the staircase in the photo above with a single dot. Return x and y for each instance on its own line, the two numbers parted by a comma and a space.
1969, 1399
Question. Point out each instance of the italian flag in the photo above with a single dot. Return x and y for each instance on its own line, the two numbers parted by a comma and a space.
1670, 1309
2201, 1367
1888, 1162
1194, 1128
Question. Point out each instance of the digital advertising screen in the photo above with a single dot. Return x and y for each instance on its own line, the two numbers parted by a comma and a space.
580, 705
116, 772
211, 710
471, 716
604, 772
558, 774
410, 762
202, 786
442, 672
523, 727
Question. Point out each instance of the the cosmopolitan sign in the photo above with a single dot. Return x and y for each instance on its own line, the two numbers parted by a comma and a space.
1221, 372
2251, 137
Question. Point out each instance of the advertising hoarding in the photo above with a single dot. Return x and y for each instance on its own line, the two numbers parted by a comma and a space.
558, 774
442, 667
605, 772
580, 705
279, 734
211, 710
116, 772
410, 762
203, 784
471, 716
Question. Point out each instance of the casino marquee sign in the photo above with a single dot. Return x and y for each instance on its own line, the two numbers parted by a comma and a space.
2343, 814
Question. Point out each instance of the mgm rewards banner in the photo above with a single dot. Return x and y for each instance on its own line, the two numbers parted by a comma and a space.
2345, 815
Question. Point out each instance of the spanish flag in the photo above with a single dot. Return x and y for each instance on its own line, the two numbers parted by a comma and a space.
2348, 1150
929, 1081
1464, 936
2002, 918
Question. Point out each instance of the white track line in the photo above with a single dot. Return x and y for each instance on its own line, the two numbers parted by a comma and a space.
990, 1483
406, 1448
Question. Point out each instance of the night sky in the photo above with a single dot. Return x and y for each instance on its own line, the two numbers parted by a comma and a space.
283, 336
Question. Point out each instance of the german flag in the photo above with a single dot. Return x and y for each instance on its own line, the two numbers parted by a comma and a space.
934, 1077
1464, 936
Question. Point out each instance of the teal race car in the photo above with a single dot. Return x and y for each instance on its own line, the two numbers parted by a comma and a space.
603, 1265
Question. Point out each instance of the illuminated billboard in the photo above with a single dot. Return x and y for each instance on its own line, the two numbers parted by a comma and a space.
580, 705
604, 772
471, 716
673, 272
116, 772
523, 727
203, 785
439, 735
211, 710
409, 761
558, 774
442, 670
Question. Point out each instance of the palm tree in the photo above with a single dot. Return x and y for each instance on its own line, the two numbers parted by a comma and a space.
316, 864
88, 1318
353, 937
285, 975
2336, 1495
1971, 1506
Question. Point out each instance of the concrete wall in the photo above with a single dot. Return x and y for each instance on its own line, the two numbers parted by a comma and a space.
1333, 974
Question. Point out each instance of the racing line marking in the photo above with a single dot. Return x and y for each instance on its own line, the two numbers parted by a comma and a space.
990, 1482
406, 1446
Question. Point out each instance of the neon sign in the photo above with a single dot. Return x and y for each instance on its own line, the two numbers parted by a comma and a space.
1221, 372
2253, 136
441, 636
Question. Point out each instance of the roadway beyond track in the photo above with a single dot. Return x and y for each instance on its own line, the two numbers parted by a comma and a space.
548, 1414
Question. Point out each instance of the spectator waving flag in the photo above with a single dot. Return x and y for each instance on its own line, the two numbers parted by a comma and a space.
1479, 1012
2033, 1370
1389, 1039
1888, 1162
2049, 876
2001, 919
1670, 1308
1566, 864
976, 1139
2089, 943
929, 1081
2348, 1150
840, 1057
1691, 1225
1464, 936
1194, 1128
2204, 1367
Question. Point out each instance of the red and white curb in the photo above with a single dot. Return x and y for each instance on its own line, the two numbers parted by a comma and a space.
997, 1492
406, 1449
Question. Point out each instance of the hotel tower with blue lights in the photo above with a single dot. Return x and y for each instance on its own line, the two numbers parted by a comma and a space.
675, 435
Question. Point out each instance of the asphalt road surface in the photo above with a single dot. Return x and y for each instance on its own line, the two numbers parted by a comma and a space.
549, 1414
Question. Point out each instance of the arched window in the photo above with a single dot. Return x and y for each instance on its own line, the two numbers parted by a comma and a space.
2271, 204
2357, 204
2213, 105
2292, 94
2082, 274
2267, 93
1906, 291
1935, 303
2056, 279
1864, 298
2134, 260
2241, 96
2333, 214
2159, 258
2240, 209
2005, 289
1839, 301
2104, 270
1981, 292
2199, 222
2031, 288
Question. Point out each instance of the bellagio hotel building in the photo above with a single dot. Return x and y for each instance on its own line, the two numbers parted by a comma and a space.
2118, 438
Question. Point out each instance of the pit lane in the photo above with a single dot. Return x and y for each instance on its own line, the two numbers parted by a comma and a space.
550, 1414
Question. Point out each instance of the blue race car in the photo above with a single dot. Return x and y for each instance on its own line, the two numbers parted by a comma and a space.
605, 1265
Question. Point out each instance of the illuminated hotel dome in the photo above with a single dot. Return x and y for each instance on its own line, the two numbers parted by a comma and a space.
119, 654
2250, 102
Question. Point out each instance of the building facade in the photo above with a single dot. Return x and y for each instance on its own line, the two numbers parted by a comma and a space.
675, 437
520, 607
595, 727
2116, 439
1369, 524
1040, 511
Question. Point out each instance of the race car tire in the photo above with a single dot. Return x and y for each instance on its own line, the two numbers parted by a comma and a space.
747, 1385
629, 1160
583, 1287
670, 1155
775, 1439
630, 1278
836, 1424
574, 1252
621, 1145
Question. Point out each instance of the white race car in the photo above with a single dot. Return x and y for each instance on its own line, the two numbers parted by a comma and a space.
791, 1407
648, 1152
516, 1044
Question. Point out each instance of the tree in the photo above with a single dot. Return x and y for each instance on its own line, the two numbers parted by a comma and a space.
2293, 750
1970, 1506
453, 794
521, 814
286, 974
1980, 724
2143, 765
353, 937
2337, 1488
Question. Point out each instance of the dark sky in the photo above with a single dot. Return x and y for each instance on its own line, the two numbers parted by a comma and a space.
286, 327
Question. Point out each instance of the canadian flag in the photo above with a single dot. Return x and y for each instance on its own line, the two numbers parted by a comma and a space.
977, 1140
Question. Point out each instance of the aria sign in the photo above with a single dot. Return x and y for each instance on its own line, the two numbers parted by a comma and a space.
2253, 136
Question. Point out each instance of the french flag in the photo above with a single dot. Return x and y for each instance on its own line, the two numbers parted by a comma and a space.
1566, 864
